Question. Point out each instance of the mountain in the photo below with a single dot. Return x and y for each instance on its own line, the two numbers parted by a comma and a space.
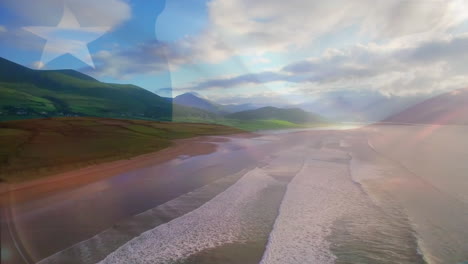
446, 109
34, 93
27, 93
359, 106
194, 100
293, 115
232, 108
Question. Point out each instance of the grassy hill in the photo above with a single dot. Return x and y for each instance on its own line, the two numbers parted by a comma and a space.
38, 147
192, 99
265, 118
292, 115
27, 93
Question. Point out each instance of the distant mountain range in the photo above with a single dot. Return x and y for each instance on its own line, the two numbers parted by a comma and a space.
26, 93
248, 112
193, 99
359, 106
335, 106
450, 108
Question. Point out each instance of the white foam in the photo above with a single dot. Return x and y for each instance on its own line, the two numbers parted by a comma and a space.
319, 194
219, 221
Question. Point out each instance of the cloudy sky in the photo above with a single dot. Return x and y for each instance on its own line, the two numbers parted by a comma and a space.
248, 51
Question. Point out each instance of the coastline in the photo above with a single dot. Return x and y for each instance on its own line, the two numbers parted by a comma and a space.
362, 163
11, 193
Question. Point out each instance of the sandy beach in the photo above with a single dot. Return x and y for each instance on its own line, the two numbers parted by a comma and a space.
19, 192
377, 194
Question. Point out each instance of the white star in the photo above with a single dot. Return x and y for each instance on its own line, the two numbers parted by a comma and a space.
68, 37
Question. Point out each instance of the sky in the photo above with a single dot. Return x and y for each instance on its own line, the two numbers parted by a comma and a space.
239, 51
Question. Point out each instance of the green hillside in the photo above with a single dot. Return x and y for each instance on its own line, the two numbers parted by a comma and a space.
186, 114
292, 115
27, 93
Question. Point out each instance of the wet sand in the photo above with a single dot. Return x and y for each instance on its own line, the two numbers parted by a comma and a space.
20, 192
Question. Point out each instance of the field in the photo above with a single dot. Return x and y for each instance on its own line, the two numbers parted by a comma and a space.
248, 125
35, 148
255, 125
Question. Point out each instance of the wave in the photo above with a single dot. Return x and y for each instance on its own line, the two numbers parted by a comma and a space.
227, 218
388, 218
98, 247
325, 217
318, 195
436, 221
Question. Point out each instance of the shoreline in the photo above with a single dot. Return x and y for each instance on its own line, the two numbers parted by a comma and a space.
12, 193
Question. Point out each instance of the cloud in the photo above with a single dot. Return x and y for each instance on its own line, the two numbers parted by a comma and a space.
147, 58
98, 13
253, 28
257, 27
257, 99
254, 78
3, 29
423, 67
152, 57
